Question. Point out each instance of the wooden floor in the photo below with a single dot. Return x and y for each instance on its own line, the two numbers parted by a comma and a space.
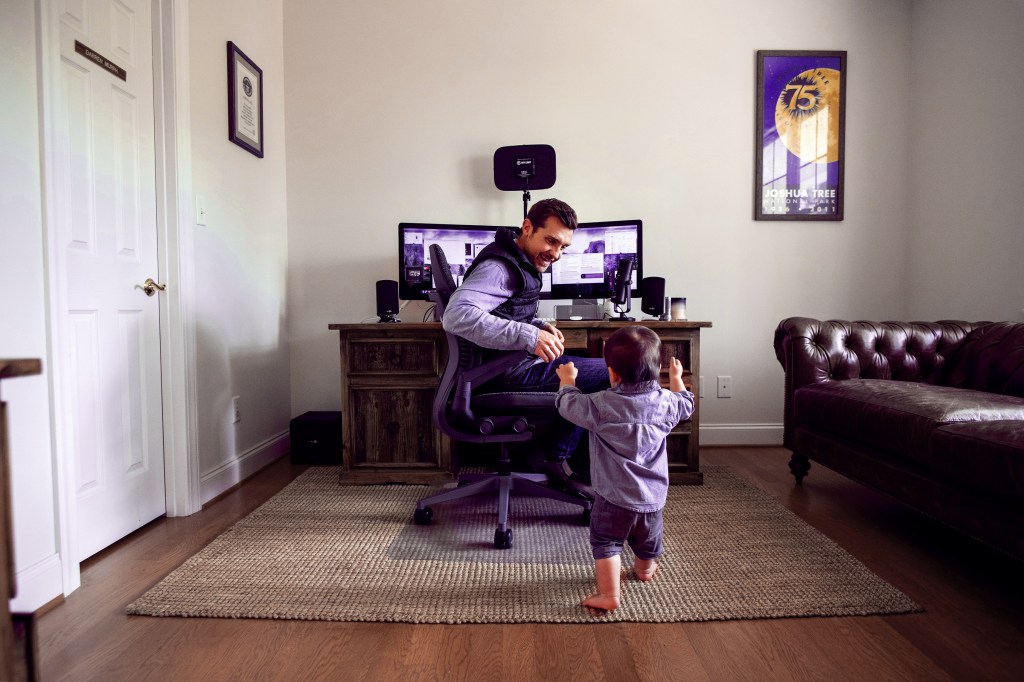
972, 627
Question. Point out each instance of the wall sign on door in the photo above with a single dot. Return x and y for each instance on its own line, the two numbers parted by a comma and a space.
95, 56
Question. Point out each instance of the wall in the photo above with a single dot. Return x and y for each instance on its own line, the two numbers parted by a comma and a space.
241, 254
395, 110
23, 313
967, 93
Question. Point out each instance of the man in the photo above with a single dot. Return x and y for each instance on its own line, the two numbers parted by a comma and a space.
495, 307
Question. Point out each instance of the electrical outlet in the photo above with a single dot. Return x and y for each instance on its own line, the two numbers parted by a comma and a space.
701, 389
236, 411
724, 387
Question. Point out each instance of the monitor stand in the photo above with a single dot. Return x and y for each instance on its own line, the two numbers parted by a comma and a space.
584, 309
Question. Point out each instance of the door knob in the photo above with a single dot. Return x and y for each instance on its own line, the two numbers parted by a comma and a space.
151, 287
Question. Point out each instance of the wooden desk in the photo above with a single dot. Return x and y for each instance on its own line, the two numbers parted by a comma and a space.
18, 659
389, 373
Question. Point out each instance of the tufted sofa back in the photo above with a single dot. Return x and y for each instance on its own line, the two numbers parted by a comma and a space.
813, 351
819, 350
990, 358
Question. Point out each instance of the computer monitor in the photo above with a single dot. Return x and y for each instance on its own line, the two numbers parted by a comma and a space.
586, 269
460, 243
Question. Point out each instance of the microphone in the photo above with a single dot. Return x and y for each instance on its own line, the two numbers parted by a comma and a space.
621, 288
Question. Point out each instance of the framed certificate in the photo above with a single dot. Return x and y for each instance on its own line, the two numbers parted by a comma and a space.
801, 112
245, 101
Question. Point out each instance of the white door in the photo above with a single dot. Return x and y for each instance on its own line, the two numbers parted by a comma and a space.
107, 334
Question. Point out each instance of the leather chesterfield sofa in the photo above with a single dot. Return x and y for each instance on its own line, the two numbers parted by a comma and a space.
929, 413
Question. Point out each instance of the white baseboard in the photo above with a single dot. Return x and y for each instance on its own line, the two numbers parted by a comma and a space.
215, 482
740, 434
38, 585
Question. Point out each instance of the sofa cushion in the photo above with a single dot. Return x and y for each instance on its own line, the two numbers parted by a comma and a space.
985, 456
896, 416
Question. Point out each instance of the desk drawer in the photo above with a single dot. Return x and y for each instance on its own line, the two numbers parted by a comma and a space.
575, 338
398, 356
392, 427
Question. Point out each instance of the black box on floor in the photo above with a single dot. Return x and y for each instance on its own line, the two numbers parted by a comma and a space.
315, 438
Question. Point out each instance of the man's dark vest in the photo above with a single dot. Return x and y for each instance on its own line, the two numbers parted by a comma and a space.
522, 306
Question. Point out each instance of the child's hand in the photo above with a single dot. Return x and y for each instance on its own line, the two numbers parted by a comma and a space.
675, 375
567, 373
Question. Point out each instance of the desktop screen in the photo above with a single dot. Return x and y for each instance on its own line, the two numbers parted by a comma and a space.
460, 243
587, 268
585, 271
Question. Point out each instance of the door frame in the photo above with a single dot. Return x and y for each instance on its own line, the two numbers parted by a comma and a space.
175, 246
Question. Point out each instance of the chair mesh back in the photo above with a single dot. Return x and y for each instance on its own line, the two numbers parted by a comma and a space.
442, 273
465, 354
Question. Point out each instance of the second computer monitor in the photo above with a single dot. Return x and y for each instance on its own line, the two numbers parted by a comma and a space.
587, 268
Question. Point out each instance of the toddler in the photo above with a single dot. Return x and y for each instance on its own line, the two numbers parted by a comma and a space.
628, 424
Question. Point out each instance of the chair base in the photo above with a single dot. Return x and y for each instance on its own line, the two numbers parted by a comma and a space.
504, 483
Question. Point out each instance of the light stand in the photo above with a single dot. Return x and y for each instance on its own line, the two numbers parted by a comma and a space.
524, 167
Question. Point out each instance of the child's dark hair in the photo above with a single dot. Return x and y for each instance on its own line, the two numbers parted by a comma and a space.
634, 352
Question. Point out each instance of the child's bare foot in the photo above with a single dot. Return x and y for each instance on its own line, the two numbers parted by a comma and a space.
645, 570
602, 602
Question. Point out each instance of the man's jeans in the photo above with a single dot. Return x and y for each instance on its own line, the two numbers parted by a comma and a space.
560, 441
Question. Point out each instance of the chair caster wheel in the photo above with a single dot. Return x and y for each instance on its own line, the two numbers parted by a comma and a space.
423, 517
502, 538
585, 517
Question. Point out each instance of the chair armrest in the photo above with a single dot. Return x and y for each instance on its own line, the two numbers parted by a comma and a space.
476, 377
483, 373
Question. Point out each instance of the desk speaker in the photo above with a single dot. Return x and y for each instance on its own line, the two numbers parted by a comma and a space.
387, 300
652, 292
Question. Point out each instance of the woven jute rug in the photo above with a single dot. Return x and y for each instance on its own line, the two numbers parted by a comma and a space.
321, 551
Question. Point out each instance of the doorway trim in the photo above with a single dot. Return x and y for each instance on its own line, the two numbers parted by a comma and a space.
175, 245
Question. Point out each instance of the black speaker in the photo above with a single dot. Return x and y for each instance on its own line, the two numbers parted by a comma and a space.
524, 167
387, 300
652, 292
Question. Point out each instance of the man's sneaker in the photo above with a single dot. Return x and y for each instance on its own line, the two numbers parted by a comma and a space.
556, 470
560, 475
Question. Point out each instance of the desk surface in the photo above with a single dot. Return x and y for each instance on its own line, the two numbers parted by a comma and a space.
561, 324
20, 367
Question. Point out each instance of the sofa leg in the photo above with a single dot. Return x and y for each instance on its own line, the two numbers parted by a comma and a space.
799, 465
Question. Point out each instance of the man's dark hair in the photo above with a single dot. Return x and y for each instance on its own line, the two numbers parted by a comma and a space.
634, 352
545, 208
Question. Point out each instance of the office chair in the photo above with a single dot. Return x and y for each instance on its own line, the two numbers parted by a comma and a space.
486, 417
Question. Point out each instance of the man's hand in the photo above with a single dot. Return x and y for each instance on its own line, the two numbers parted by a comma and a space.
549, 346
548, 327
675, 375
567, 374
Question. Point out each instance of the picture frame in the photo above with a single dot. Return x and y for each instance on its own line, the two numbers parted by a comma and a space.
800, 135
245, 101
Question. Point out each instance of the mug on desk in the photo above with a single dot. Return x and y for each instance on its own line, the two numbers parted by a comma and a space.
678, 308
